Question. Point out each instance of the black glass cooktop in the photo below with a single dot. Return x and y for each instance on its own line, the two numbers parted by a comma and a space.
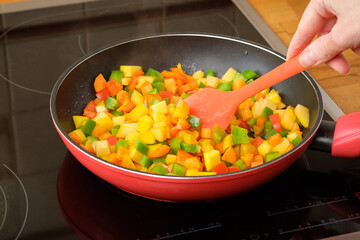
46, 194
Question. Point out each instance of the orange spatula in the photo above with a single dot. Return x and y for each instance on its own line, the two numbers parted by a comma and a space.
218, 107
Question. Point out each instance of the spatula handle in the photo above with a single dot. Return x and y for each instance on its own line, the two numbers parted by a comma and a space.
287, 69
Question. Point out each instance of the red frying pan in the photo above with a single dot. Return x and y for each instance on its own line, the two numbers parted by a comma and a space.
74, 90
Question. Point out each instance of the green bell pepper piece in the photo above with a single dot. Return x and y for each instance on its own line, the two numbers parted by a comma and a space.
153, 73
194, 122
91, 139
145, 161
115, 130
249, 74
296, 141
218, 133
154, 101
158, 85
251, 122
249, 81
159, 159
271, 133
122, 143
225, 86
228, 164
202, 85
116, 113
190, 148
268, 127
117, 75
179, 169
88, 127
175, 145
154, 91
284, 133
112, 103
239, 135
141, 147
267, 112
271, 156
239, 76
240, 164
210, 72
184, 95
160, 169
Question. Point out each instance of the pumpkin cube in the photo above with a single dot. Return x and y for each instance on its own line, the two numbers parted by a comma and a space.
160, 107
101, 148
264, 148
144, 124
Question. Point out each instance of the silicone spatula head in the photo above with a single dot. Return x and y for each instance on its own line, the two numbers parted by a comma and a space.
218, 107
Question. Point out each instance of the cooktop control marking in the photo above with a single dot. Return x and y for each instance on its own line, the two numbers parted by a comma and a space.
309, 205
188, 231
323, 223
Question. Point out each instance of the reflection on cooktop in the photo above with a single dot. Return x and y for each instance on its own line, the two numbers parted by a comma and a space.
290, 206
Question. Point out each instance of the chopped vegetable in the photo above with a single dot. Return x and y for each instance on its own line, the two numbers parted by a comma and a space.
140, 121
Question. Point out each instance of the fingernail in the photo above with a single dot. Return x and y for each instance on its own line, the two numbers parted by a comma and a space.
307, 59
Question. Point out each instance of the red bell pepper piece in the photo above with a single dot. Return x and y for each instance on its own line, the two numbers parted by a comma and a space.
233, 169
243, 124
275, 120
91, 106
112, 140
258, 141
166, 94
114, 87
103, 94
134, 80
220, 168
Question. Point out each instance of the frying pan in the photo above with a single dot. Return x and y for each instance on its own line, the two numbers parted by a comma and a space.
74, 90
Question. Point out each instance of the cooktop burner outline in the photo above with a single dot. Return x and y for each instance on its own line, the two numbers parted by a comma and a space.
26, 202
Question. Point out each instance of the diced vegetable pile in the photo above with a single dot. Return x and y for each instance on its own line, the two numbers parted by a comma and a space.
139, 120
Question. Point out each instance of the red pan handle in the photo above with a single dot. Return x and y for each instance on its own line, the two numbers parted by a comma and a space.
346, 140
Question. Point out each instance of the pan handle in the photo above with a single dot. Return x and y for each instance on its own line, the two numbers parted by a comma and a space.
323, 138
342, 138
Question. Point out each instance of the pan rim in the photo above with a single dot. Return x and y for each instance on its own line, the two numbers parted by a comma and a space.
154, 177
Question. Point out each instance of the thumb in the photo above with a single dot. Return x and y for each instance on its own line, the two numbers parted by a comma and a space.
321, 50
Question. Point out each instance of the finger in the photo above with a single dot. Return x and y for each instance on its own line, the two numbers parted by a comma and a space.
310, 24
356, 50
339, 64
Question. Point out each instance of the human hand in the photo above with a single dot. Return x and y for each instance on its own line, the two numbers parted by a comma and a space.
337, 25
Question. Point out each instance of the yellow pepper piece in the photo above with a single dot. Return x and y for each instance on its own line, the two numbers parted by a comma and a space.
160, 107
264, 148
137, 98
303, 114
104, 121
138, 111
229, 75
288, 119
144, 123
101, 148
282, 147
118, 120
211, 159
134, 154
182, 110
129, 70
195, 172
125, 129
79, 120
